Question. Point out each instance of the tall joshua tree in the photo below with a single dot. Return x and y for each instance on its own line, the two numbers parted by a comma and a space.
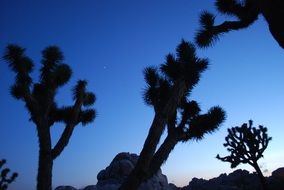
5, 178
168, 91
245, 12
246, 145
39, 99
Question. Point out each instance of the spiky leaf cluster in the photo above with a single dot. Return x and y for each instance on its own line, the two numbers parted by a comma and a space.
22, 66
245, 13
206, 35
246, 144
203, 124
186, 66
5, 178
54, 73
39, 97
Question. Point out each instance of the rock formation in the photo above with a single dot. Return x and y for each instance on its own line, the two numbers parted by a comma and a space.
113, 175
238, 180
120, 167
65, 188
279, 173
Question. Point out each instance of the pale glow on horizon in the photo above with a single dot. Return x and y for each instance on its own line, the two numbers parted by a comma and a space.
181, 179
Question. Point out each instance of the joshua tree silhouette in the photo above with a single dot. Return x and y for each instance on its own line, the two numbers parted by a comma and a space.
168, 91
4, 179
39, 100
246, 145
246, 12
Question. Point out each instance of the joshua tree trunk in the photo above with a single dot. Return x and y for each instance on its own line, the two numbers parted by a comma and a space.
141, 169
138, 174
261, 177
158, 125
273, 13
44, 177
163, 153
160, 156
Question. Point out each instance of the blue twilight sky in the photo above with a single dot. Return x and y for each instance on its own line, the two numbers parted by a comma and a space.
109, 43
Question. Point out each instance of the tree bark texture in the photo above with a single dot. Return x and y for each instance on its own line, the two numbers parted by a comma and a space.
44, 177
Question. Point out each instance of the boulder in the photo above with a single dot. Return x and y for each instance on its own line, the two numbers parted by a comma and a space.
118, 170
65, 188
174, 187
276, 180
90, 187
238, 180
279, 173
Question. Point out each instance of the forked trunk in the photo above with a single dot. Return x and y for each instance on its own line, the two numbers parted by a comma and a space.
134, 180
141, 170
162, 154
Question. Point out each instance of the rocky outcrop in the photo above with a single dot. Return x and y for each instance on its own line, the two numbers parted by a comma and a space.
279, 173
118, 170
113, 175
238, 180
276, 181
65, 188
90, 187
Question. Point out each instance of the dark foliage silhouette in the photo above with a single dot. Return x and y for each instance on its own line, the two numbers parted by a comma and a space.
6, 178
168, 90
245, 12
39, 99
246, 145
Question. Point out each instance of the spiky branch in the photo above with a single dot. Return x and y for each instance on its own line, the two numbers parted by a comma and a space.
246, 13
167, 91
5, 179
39, 99
246, 145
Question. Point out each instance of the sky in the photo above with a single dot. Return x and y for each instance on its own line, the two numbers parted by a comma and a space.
109, 43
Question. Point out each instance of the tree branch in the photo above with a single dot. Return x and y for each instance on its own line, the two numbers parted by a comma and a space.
69, 128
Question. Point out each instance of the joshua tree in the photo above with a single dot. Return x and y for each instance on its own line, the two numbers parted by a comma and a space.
39, 99
245, 12
4, 179
246, 145
168, 91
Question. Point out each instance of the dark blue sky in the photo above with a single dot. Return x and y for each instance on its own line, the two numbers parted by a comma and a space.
109, 43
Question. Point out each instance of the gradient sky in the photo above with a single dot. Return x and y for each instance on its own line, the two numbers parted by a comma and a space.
109, 43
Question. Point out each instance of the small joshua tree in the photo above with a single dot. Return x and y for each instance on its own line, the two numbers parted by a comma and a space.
246, 144
5, 180
246, 13
168, 91
39, 99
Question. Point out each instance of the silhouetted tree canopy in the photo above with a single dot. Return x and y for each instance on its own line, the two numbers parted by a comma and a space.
245, 12
39, 98
168, 92
246, 145
5, 178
